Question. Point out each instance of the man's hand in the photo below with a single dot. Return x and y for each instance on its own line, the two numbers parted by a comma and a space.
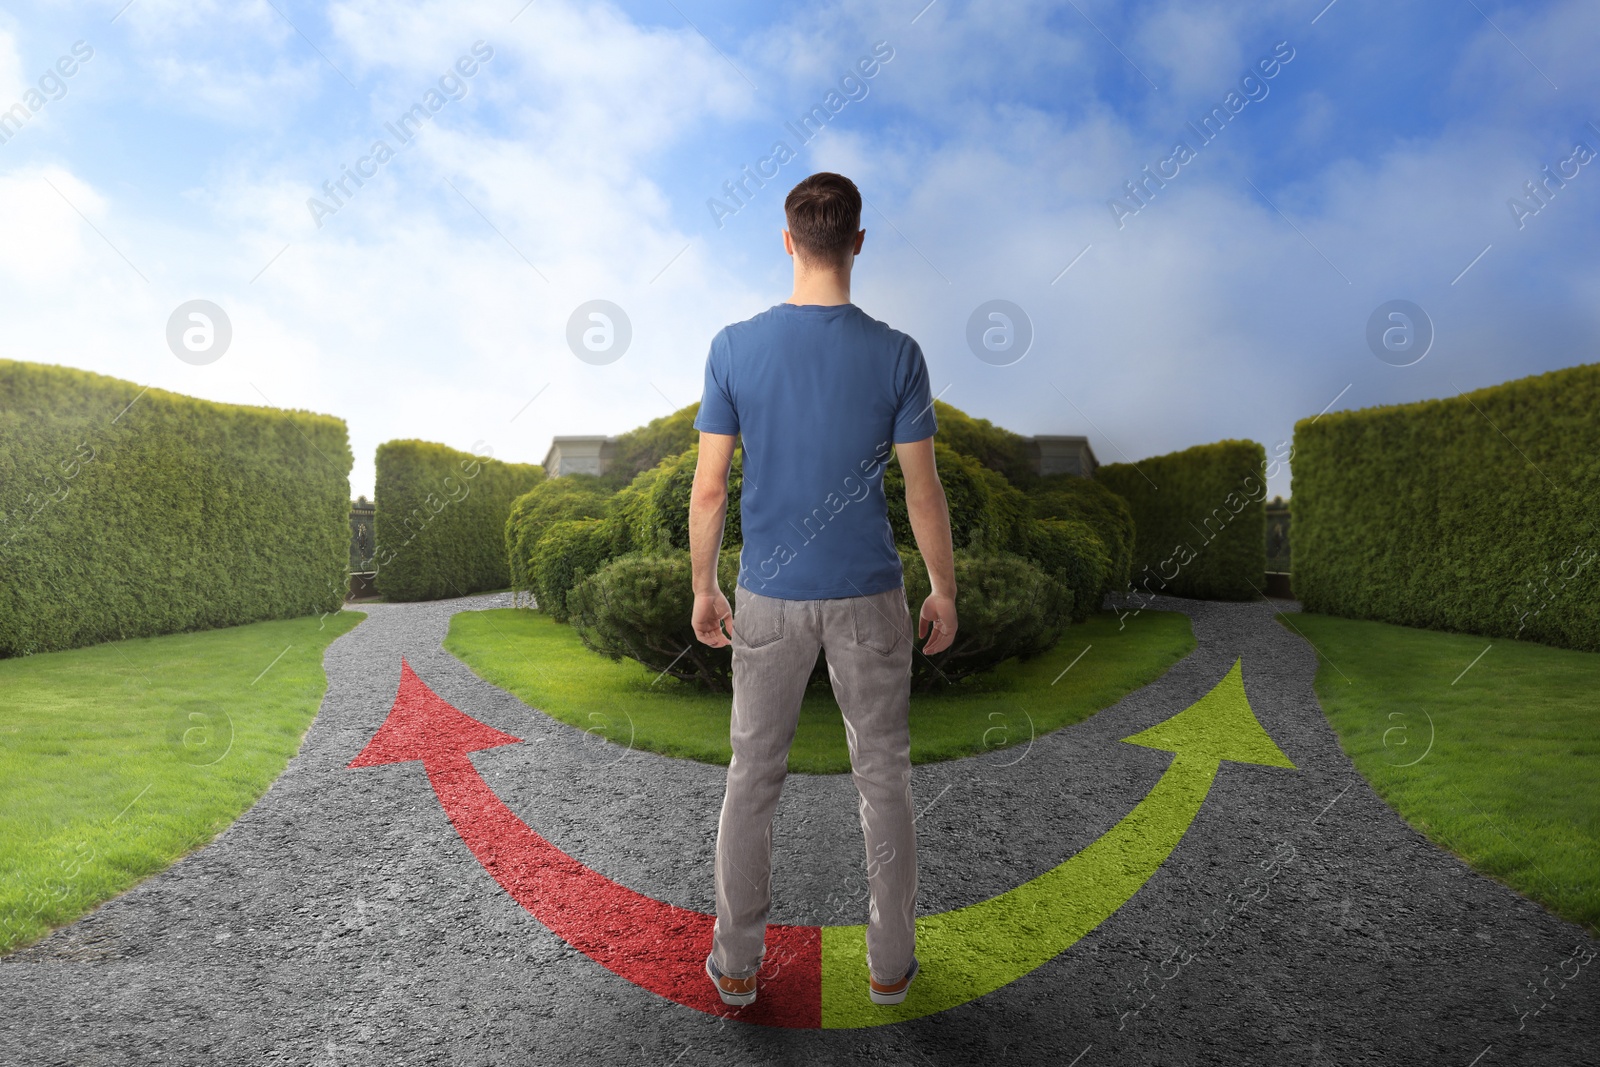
710, 610
939, 615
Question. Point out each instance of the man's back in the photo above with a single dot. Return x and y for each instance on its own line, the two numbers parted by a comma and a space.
821, 394
818, 394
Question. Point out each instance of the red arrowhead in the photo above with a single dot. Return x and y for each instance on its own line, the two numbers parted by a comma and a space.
423, 726
657, 946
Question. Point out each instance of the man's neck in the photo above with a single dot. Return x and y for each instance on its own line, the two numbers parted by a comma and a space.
824, 287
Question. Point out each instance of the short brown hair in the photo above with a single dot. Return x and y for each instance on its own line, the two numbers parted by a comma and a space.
824, 213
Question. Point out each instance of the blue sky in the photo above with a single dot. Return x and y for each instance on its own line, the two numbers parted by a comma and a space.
577, 163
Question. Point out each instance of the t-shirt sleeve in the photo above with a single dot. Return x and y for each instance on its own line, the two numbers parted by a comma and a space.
913, 419
717, 414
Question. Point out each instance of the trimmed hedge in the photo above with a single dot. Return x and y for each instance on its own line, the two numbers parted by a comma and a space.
640, 449
130, 512
640, 605
574, 496
1005, 606
1067, 496
993, 446
567, 552
987, 513
1474, 513
1201, 518
441, 518
1073, 552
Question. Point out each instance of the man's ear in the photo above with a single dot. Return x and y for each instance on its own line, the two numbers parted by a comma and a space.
788, 242
861, 235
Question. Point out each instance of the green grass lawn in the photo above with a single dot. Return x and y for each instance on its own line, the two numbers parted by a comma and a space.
545, 664
119, 758
1512, 781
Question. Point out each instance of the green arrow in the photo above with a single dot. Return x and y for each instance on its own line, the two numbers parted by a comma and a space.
975, 950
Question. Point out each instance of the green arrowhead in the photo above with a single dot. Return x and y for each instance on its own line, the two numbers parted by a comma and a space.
971, 951
1219, 726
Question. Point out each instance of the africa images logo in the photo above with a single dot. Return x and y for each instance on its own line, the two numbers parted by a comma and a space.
452, 85
52, 86
852, 87
1253, 85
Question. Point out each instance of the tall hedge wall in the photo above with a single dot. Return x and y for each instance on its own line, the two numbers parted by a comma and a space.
1200, 519
1476, 513
440, 520
128, 512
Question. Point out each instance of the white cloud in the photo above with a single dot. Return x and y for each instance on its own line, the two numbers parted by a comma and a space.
411, 315
12, 80
1198, 51
44, 244
238, 62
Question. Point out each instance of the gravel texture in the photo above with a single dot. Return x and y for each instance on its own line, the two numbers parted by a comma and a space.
341, 919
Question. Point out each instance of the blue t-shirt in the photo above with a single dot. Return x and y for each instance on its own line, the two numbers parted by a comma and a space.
819, 395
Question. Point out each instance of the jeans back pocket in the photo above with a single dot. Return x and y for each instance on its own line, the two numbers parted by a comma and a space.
757, 619
880, 621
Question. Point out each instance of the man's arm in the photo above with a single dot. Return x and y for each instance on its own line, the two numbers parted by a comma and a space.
708, 510
930, 525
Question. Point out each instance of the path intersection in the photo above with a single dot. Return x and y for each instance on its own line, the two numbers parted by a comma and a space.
345, 919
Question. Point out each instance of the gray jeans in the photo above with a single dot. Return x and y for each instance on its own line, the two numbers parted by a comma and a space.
869, 646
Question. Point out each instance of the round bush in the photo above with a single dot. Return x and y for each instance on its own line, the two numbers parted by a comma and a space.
995, 447
1074, 553
633, 510
568, 551
573, 496
639, 605
663, 520
986, 512
1067, 496
1005, 607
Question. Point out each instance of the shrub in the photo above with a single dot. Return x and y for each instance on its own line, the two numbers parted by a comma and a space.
1201, 519
996, 448
624, 580
573, 496
639, 605
662, 519
638, 450
567, 552
1473, 513
1073, 552
986, 512
441, 519
1067, 496
129, 512
1005, 607
632, 509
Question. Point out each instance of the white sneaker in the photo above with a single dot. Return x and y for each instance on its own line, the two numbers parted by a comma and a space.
894, 992
735, 991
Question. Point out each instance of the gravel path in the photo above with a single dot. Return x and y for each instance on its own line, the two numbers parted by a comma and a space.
341, 920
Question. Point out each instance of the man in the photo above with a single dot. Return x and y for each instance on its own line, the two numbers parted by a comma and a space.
821, 395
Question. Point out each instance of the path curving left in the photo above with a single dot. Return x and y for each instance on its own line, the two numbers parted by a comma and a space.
343, 920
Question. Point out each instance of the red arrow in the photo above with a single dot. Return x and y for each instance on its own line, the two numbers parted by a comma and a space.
656, 945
